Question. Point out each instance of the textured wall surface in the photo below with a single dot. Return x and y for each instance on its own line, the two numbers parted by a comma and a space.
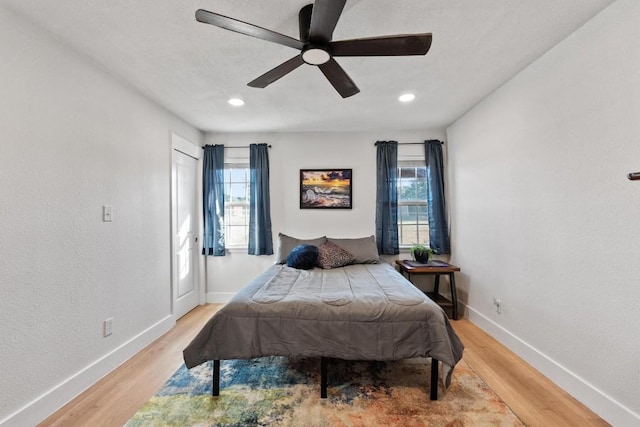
544, 217
74, 139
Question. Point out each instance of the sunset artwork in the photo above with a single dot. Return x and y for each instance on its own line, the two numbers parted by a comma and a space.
325, 188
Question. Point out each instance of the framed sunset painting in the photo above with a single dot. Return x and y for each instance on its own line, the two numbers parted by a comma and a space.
325, 188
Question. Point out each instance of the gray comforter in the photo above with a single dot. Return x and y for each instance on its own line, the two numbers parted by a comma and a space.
357, 312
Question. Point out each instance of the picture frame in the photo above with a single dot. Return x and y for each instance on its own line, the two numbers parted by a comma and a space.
326, 188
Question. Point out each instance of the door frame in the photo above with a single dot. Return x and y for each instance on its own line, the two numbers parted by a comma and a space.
180, 144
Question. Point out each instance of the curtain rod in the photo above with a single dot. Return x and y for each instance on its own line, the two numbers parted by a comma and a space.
412, 143
238, 146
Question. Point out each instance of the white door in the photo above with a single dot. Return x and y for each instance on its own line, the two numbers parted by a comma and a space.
185, 223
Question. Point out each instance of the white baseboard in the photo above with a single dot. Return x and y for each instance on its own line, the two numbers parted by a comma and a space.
49, 402
219, 297
605, 406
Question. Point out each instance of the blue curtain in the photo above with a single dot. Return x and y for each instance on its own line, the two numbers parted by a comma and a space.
260, 241
438, 227
387, 198
213, 200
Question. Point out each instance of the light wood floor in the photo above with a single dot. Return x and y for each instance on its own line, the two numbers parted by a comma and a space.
115, 398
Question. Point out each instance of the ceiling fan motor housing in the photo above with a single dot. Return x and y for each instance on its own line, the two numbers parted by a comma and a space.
315, 55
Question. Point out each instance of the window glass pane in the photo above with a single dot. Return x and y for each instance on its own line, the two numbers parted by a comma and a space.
244, 241
400, 235
412, 213
403, 213
238, 236
413, 218
423, 234
421, 190
238, 175
238, 192
409, 234
408, 190
423, 214
234, 236
236, 212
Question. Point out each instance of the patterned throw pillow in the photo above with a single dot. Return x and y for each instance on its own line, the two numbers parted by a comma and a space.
331, 255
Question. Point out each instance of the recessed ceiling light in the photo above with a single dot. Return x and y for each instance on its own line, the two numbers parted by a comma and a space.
407, 97
236, 102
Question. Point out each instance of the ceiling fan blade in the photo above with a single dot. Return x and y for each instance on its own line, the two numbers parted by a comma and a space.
281, 70
324, 18
410, 44
246, 28
339, 78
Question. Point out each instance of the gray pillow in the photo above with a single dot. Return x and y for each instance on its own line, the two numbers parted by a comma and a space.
364, 249
287, 243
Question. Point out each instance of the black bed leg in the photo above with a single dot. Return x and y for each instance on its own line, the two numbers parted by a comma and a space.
323, 377
216, 378
433, 392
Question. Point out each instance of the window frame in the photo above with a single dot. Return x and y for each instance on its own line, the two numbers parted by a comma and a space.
230, 164
412, 162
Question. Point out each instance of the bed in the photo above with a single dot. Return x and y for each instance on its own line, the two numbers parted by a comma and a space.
360, 311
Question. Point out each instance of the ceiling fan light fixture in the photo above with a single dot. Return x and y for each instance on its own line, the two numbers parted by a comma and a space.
236, 102
315, 56
317, 22
406, 97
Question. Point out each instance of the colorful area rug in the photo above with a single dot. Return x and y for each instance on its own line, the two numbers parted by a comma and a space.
276, 391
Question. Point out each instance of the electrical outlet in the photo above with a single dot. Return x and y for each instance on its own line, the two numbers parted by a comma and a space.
108, 327
498, 303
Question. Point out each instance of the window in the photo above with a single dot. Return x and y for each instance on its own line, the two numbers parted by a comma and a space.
236, 204
413, 218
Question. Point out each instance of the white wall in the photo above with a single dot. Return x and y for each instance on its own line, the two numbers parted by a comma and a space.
74, 139
542, 214
544, 217
291, 152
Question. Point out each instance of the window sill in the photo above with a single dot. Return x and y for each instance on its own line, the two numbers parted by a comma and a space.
237, 249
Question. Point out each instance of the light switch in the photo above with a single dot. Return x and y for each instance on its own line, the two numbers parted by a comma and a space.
107, 213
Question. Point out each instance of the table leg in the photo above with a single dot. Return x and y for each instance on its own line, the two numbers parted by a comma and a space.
436, 284
454, 296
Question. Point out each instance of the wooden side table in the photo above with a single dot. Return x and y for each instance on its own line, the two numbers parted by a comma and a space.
434, 268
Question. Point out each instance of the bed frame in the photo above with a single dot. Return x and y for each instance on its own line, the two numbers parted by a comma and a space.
440, 343
433, 387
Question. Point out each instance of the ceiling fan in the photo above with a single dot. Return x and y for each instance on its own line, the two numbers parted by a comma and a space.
317, 22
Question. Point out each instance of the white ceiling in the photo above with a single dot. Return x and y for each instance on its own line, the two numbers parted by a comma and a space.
192, 69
